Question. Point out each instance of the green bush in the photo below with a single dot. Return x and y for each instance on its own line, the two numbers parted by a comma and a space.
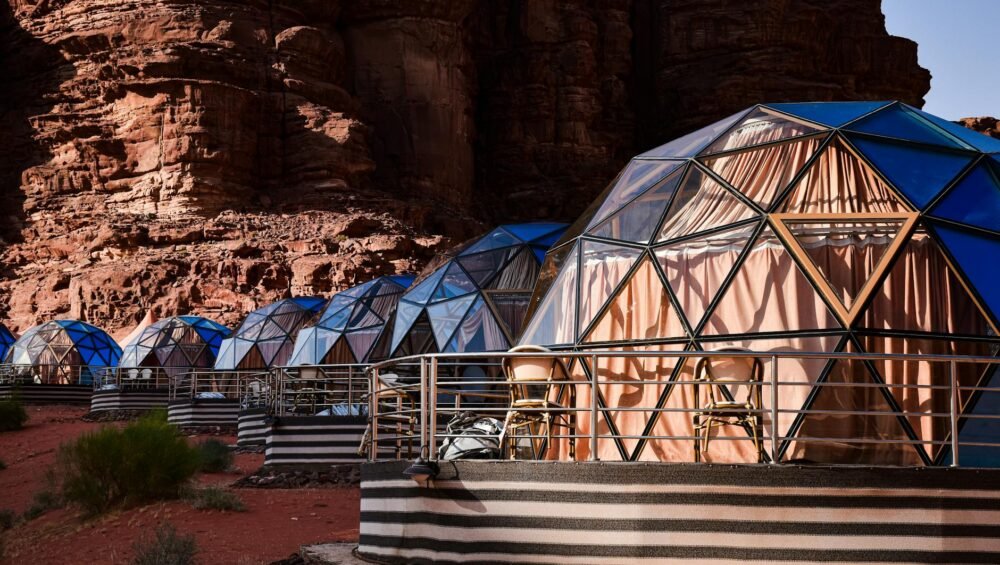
12, 415
215, 498
166, 548
145, 461
7, 519
215, 456
43, 501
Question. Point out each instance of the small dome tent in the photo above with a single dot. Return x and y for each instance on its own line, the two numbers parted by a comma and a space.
64, 352
175, 344
267, 335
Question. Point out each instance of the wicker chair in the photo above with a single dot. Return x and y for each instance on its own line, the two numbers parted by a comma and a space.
718, 374
533, 397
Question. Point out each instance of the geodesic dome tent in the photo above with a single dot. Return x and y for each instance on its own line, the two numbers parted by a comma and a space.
64, 352
7, 339
820, 227
267, 335
176, 345
355, 325
473, 299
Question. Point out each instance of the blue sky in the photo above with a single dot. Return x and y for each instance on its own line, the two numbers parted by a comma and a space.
959, 44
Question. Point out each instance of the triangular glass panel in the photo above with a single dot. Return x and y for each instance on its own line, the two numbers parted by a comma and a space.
970, 137
494, 240
833, 114
548, 240
974, 200
446, 316
361, 342
639, 218
553, 322
981, 426
519, 274
838, 182
638, 177
363, 316
919, 173
769, 294
531, 232
422, 292
303, 353
510, 307
419, 339
640, 310
603, 266
844, 256
454, 283
899, 122
693, 142
762, 125
696, 268
482, 266
833, 438
701, 204
551, 267
478, 332
406, 314
976, 255
762, 174
539, 254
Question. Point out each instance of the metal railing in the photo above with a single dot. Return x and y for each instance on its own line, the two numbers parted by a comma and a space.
12, 373
206, 384
413, 399
136, 378
330, 390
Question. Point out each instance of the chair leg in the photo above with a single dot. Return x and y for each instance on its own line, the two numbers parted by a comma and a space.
505, 434
697, 440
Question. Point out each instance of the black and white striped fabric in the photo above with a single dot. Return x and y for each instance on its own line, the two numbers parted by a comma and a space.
538, 512
309, 440
49, 394
203, 412
140, 399
252, 427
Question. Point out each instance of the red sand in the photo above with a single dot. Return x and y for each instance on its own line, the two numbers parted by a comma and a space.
275, 524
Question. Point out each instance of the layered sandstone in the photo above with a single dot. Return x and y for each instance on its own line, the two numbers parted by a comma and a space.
209, 156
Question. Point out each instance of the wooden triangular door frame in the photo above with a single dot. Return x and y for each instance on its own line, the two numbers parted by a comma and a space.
845, 314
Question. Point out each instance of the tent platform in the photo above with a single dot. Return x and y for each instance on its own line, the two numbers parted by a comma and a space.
595, 512
138, 399
198, 412
48, 394
297, 440
251, 427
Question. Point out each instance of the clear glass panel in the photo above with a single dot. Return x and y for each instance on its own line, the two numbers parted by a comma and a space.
840, 183
845, 253
640, 310
494, 240
639, 218
977, 257
760, 126
833, 114
702, 204
550, 269
762, 174
899, 122
981, 430
406, 314
519, 274
304, 352
422, 292
363, 317
445, 317
638, 177
769, 294
454, 283
693, 142
478, 332
603, 267
975, 200
361, 342
510, 307
919, 173
696, 269
554, 321
482, 266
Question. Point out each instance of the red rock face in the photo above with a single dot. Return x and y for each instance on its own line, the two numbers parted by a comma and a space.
984, 125
209, 156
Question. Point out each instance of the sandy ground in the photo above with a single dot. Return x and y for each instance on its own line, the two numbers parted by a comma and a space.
275, 524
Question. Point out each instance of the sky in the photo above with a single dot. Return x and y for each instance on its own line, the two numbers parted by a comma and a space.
959, 44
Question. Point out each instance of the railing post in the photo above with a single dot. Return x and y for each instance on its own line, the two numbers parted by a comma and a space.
423, 402
432, 428
774, 409
953, 413
373, 415
593, 409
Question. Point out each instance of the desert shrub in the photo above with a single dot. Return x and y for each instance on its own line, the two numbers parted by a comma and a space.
7, 519
146, 460
166, 548
215, 498
43, 501
12, 415
215, 456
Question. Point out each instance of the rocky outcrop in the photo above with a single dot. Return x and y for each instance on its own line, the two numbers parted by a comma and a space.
984, 125
210, 156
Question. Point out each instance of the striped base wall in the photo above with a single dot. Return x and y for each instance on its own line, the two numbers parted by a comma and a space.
307, 440
203, 412
139, 399
49, 394
524, 512
252, 428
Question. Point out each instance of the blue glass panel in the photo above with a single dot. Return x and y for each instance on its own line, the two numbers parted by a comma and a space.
976, 255
402, 280
493, 240
531, 232
548, 240
834, 114
982, 430
972, 138
975, 200
422, 292
695, 141
899, 122
919, 173
539, 253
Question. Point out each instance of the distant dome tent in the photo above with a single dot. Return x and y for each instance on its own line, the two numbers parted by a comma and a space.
474, 299
266, 337
175, 344
355, 325
64, 352
7, 340
813, 227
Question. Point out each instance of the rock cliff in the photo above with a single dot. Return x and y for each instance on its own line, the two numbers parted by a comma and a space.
210, 156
